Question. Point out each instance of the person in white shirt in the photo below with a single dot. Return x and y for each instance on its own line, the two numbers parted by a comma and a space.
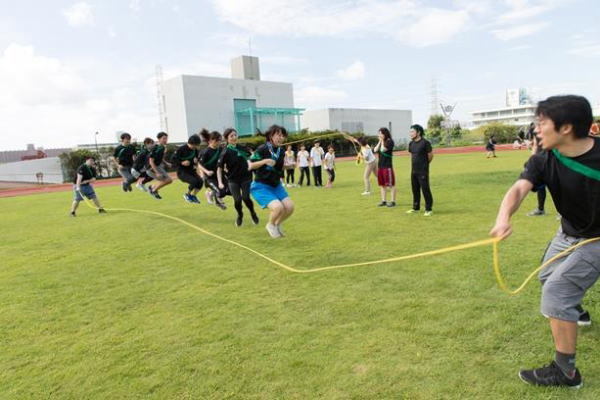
303, 161
368, 157
316, 156
289, 166
330, 165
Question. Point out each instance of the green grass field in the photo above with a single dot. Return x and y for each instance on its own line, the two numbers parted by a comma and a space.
124, 305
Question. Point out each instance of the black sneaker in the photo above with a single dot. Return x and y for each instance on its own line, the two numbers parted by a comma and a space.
238, 221
72, 214
255, 219
124, 186
391, 204
220, 204
584, 319
101, 211
551, 375
382, 204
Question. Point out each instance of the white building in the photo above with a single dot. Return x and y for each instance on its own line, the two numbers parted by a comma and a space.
362, 120
244, 102
519, 110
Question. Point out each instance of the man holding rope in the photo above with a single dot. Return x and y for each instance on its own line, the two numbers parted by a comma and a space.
569, 167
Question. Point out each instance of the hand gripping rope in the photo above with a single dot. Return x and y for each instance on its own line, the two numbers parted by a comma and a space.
492, 241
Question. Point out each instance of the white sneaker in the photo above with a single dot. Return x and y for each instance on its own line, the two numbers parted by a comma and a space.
280, 230
141, 187
209, 197
273, 231
365, 193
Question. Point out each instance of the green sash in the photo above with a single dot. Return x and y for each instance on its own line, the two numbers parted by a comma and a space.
577, 166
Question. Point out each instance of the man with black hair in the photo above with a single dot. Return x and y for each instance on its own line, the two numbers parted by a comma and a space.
421, 156
123, 156
570, 169
540, 191
85, 176
140, 164
186, 159
157, 163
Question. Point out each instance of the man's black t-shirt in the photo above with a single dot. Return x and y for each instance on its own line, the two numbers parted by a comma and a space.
124, 154
210, 158
141, 159
234, 159
86, 172
576, 196
157, 154
385, 157
265, 174
185, 153
419, 160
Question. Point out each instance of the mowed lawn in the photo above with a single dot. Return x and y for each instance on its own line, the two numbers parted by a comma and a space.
126, 305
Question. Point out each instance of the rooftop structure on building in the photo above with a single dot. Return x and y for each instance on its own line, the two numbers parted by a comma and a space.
244, 102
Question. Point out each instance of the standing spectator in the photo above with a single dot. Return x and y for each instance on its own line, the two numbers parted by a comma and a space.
303, 160
316, 156
421, 156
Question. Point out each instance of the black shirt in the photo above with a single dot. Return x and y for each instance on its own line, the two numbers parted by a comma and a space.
235, 160
210, 158
141, 159
157, 154
184, 153
418, 151
576, 196
124, 154
385, 157
86, 172
265, 174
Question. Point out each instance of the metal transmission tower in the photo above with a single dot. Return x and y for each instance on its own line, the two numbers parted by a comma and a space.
160, 99
434, 96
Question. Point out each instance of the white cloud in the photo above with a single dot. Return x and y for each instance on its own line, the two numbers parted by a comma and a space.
420, 26
352, 72
524, 9
435, 27
517, 31
589, 50
53, 104
111, 32
79, 14
318, 97
135, 5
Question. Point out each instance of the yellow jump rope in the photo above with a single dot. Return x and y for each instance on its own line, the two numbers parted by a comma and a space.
493, 241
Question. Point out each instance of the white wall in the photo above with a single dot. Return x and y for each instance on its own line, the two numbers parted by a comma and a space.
315, 120
371, 119
196, 102
24, 171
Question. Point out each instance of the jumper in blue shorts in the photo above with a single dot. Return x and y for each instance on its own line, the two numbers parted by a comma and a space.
264, 194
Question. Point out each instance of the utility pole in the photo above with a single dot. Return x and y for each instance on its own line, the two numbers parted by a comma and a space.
96, 142
160, 99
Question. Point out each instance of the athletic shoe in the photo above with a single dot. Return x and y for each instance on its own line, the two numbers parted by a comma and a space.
273, 231
584, 319
412, 211
72, 214
188, 197
154, 193
141, 187
129, 189
220, 204
428, 213
209, 197
279, 229
551, 375
365, 193
101, 211
255, 219
382, 204
391, 204
150, 191
238, 221
124, 186
194, 199
535, 213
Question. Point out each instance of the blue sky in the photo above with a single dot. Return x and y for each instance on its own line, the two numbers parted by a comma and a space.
70, 68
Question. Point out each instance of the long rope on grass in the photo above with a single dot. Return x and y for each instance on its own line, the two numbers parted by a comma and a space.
493, 241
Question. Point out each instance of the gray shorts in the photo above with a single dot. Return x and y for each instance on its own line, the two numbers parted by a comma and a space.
566, 280
125, 172
86, 190
162, 173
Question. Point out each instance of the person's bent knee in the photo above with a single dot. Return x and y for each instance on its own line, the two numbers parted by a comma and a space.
558, 304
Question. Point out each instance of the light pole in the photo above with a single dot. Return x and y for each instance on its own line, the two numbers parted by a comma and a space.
96, 142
